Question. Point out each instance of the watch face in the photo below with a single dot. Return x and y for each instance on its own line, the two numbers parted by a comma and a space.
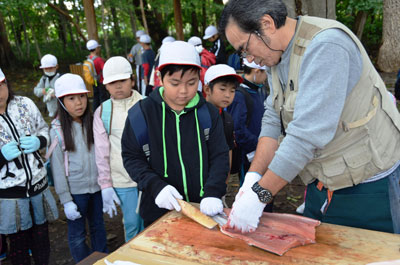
264, 196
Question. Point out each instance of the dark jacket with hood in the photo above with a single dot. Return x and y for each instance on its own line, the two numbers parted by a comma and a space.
175, 156
246, 136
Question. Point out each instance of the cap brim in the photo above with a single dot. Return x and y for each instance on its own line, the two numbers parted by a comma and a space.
75, 93
2, 79
238, 77
41, 67
116, 77
180, 63
207, 37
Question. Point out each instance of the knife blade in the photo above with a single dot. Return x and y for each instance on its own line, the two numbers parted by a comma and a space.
220, 218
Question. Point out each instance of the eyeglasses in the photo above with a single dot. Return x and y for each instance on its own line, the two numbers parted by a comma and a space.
243, 52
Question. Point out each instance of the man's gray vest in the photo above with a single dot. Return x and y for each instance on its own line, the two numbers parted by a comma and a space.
367, 140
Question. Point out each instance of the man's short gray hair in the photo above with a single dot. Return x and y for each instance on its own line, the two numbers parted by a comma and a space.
248, 13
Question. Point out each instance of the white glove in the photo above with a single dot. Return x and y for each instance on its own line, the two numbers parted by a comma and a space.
211, 206
167, 198
247, 208
71, 211
110, 198
249, 179
246, 212
50, 93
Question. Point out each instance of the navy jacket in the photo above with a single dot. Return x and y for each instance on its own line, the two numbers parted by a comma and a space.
247, 136
180, 143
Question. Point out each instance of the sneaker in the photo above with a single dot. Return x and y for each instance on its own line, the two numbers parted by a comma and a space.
3, 256
30, 252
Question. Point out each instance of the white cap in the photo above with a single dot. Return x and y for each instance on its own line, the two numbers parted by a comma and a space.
168, 39
195, 41
139, 33
210, 31
2, 76
69, 84
220, 70
92, 44
178, 52
48, 61
253, 65
145, 38
116, 68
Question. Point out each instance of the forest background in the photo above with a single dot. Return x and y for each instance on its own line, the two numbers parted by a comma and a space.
30, 29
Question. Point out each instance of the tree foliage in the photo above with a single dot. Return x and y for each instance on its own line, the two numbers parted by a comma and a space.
34, 28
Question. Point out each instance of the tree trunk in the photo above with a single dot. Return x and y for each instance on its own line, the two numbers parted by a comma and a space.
178, 20
359, 23
39, 53
156, 26
105, 30
144, 17
17, 42
27, 42
78, 29
389, 52
195, 22
117, 29
91, 23
204, 21
7, 56
63, 25
132, 19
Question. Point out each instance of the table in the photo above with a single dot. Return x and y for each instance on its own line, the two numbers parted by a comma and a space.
175, 239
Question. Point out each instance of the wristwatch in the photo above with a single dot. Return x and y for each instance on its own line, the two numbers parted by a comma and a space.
264, 195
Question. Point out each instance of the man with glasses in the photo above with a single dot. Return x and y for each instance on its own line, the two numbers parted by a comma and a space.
329, 119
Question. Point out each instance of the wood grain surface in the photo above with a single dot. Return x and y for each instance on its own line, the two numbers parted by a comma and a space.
178, 239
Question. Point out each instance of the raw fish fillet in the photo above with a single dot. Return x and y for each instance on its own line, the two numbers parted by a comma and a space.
277, 232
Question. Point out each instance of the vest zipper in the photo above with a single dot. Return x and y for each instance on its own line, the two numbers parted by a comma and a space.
25, 163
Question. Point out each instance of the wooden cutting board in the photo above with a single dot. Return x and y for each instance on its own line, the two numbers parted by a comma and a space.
178, 238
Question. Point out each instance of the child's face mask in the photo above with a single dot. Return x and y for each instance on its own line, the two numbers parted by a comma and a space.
50, 74
199, 48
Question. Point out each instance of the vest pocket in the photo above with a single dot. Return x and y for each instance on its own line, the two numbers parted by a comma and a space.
356, 160
335, 175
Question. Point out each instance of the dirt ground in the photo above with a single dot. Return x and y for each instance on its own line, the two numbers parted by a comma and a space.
286, 201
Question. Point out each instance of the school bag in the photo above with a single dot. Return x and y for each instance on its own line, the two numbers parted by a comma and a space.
141, 131
106, 114
397, 87
236, 151
58, 140
89, 71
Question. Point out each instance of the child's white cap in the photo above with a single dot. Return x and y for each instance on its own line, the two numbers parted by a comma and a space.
195, 41
139, 33
116, 68
2, 76
178, 52
145, 38
253, 64
210, 31
168, 39
92, 44
47, 61
220, 70
69, 84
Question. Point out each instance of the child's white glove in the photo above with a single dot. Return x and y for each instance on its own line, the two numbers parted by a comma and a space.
71, 211
110, 198
211, 206
167, 198
50, 93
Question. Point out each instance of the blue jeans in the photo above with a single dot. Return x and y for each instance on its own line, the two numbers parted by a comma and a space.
90, 206
394, 197
133, 223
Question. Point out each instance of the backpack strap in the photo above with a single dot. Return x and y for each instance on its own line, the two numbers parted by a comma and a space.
139, 126
58, 140
205, 120
106, 114
249, 103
